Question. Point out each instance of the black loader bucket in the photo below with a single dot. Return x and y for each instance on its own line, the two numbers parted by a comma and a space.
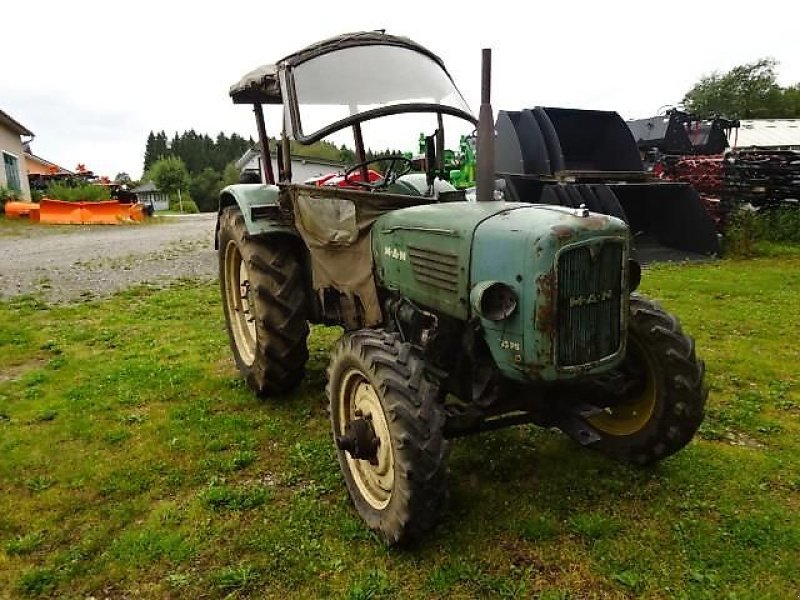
668, 221
664, 133
680, 133
543, 152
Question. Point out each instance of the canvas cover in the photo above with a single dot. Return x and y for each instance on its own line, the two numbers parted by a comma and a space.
335, 225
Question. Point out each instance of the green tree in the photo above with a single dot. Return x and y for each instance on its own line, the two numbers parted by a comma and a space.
230, 175
748, 91
204, 189
123, 178
170, 175
155, 149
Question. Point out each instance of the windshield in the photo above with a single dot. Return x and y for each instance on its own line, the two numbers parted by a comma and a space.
351, 81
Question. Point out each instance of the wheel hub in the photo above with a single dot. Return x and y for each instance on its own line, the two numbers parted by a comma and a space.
246, 295
360, 441
363, 436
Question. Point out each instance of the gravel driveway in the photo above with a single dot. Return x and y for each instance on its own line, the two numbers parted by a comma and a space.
70, 264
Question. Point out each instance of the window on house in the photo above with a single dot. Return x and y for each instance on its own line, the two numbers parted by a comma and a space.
11, 165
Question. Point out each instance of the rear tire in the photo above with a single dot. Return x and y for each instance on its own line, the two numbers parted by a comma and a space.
374, 377
264, 300
666, 400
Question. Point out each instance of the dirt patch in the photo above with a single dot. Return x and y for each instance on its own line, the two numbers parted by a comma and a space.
87, 262
15, 372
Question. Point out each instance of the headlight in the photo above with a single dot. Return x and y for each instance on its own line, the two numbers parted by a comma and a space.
493, 300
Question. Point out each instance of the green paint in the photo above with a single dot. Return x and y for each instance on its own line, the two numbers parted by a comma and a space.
437, 253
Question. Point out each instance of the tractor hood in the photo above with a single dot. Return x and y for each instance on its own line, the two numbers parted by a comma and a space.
427, 252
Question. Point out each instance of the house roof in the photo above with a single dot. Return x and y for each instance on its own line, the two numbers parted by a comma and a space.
13, 124
145, 187
767, 133
47, 163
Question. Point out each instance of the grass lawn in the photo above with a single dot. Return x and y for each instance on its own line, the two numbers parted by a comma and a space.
134, 463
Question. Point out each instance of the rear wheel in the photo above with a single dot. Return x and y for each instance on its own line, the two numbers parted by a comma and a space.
388, 429
660, 393
264, 300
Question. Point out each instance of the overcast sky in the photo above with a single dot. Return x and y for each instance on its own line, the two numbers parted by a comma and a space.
91, 79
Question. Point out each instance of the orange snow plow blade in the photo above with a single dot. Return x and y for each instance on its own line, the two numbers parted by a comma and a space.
88, 213
134, 211
17, 210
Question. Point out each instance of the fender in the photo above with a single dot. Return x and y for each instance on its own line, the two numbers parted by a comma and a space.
255, 201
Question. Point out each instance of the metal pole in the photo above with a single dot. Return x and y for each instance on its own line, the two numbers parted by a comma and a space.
361, 154
485, 174
287, 158
440, 145
264, 140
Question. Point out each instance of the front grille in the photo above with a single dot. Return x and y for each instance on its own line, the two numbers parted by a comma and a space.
435, 268
588, 310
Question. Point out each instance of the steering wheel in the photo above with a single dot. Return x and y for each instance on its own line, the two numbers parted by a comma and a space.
398, 166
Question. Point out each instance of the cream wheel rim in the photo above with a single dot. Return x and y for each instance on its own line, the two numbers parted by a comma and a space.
358, 399
239, 294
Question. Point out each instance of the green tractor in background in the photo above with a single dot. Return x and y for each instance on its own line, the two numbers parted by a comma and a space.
459, 316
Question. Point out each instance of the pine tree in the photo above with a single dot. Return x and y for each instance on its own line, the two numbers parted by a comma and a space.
149, 157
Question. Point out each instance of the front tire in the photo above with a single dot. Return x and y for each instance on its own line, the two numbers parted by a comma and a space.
664, 397
377, 386
264, 299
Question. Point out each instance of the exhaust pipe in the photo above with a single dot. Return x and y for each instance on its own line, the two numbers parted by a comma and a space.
485, 166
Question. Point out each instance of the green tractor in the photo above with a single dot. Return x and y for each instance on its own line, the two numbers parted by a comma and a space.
459, 316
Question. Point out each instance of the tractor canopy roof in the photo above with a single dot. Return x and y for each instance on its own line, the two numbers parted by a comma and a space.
351, 78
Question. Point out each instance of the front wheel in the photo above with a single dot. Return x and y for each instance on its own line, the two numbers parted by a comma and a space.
388, 429
660, 395
264, 300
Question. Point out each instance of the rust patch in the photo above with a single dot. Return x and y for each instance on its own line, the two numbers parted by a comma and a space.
546, 303
595, 221
562, 232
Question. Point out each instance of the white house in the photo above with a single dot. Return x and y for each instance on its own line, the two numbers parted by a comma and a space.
150, 195
302, 168
772, 134
13, 174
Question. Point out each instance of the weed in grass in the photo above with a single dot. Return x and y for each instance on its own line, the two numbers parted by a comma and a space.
25, 544
37, 581
375, 584
629, 578
236, 579
539, 528
445, 577
354, 529
554, 594
115, 437
133, 419
178, 580
593, 525
45, 416
39, 483
136, 547
514, 585
226, 497
126, 483
314, 461
242, 459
